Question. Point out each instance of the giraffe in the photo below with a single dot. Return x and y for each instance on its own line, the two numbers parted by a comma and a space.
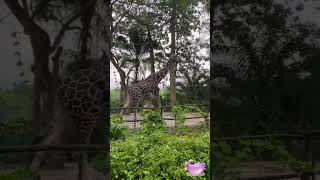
82, 99
147, 88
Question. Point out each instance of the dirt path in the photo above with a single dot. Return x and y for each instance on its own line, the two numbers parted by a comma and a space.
169, 123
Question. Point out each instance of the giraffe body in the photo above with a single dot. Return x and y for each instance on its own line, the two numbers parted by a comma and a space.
81, 98
146, 89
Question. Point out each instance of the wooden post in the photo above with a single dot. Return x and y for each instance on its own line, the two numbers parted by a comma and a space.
161, 111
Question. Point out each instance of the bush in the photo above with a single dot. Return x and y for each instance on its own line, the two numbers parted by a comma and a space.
158, 155
178, 113
19, 174
152, 121
115, 98
117, 130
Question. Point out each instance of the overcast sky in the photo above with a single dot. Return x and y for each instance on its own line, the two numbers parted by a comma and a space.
9, 72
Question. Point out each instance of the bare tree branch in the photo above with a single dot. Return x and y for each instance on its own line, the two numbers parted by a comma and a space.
116, 65
25, 7
112, 3
19, 12
64, 28
4, 17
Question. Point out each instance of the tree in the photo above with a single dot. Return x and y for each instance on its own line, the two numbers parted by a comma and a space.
27, 15
156, 19
263, 36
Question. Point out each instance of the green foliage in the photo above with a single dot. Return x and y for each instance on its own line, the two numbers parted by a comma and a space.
18, 127
115, 98
158, 155
19, 174
15, 114
178, 113
117, 130
154, 153
230, 155
15, 104
152, 121
184, 96
99, 162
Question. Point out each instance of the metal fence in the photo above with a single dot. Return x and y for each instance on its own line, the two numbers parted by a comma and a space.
135, 121
307, 138
60, 148
81, 147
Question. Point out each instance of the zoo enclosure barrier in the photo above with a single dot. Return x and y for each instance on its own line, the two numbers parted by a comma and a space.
203, 107
307, 138
61, 148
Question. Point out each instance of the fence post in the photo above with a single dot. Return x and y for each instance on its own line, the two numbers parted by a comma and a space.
161, 111
308, 154
134, 119
311, 155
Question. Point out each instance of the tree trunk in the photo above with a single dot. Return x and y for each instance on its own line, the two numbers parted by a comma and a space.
152, 61
40, 43
157, 101
85, 33
137, 65
43, 85
123, 87
42, 77
173, 51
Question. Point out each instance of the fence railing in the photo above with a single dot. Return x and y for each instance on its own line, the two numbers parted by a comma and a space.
58, 147
54, 147
161, 108
307, 138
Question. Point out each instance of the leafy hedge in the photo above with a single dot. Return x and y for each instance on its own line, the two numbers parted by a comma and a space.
158, 155
19, 174
153, 153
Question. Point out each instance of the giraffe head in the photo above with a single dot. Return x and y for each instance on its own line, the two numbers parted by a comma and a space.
158, 76
173, 59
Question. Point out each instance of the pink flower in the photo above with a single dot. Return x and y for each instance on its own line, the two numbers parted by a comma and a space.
196, 169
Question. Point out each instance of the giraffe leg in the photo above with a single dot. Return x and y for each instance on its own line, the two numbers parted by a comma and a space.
40, 156
126, 105
55, 137
83, 166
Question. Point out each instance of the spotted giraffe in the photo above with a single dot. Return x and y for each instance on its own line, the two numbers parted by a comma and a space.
147, 88
82, 98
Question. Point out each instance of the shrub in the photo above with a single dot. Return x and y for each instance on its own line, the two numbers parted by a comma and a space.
158, 155
178, 113
152, 121
117, 130
19, 174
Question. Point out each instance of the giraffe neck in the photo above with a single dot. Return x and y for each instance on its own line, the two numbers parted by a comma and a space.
158, 76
